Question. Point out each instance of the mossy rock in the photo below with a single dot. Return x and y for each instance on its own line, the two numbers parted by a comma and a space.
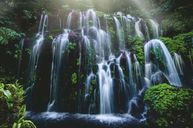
169, 106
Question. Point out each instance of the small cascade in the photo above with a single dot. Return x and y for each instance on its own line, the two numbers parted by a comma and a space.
137, 71
132, 84
130, 25
91, 19
155, 28
106, 88
59, 50
80, 20
120, 34
35, 53
135, 81
166, 65
179, 63
121, 77
88, 83
69, 20
138, 29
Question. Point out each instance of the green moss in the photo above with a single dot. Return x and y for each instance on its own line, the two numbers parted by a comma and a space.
169, 106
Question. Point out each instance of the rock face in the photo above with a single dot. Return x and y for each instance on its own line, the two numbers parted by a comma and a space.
158, 78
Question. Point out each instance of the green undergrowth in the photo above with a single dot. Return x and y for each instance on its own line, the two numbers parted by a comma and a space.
12, 108
181, 44
169, 107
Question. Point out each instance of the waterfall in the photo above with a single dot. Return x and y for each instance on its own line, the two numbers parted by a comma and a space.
179, 63
58, 46
106, 88
35, 53
91, 19
88, 83
130, 70
168, 66
155, 28
120, 34
90, 73
138, 29
137, 71
69, 20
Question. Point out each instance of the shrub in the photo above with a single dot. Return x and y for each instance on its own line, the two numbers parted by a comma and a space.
7, 34
11, 104
181, 43
169, 107
136, 46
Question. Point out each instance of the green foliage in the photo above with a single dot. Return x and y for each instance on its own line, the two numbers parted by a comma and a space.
71, 46
169, 107
136, 46
78, 62
74, 78
12, 108
176, 23
27, 14
11, 98
7, 35
177, 17
22, 123
181, 43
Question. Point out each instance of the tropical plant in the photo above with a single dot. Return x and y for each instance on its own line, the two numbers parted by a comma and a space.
12, 108
169, 106
7, 35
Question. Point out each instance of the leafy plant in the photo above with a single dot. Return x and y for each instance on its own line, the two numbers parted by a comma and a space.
22, 123
136, 46
74, 78
181, 43
71, 46
12, 108
7, 34
169, 107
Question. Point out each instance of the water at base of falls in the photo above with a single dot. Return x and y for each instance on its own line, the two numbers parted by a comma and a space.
92, 69
61, 120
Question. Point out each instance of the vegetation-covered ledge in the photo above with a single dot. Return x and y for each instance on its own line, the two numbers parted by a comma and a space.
169, 107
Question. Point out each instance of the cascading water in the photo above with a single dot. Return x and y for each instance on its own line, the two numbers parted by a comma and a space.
179, 63
106, 88
69, 20
138, 29
88, 75
39, 39
162, 54
155, 28
58, 46
120, 34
